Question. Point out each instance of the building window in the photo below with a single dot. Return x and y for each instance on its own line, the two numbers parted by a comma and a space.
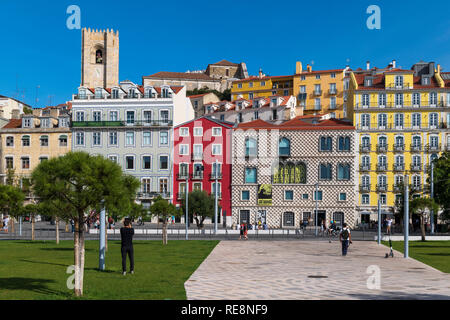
163, 138
325, 172
63, 141
433, 98
42, 159
146, 138
113, 116
44, 141
305, 196
333, 75
416, 99
342, 196
10, 141
398, 120
163, 185
9, 161
284, 147
344, 144
163, 162
79, 138
343, 172
146, 162
26, 122
216, 149
222, 117
318, 195
79, 116
25, 163
146, 185
365, 199
250, 175
433, 120
383, 198
115, 94
317, 76
289, 195
113, 138
325, 144
184, 149
45, 123
288, 219
25, 141
164, 116
184, 132
113, 158
97, 115
245, 195
416, 120
96, 138
129, 139
130, 117
129, 162
198, 132
399, 81
217, 132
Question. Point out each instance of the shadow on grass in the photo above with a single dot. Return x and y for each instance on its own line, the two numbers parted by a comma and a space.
437, 254
43, 262
423, 246
62, 249
30, 284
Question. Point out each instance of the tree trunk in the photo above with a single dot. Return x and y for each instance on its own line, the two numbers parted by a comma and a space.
78, 291
33, 224
12, 224
422, 226
57, 229
165, 231
67, 227
106, 237
82, 252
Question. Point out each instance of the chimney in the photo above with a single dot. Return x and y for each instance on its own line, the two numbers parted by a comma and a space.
368, 65
298, 67
438, 69
308, 68
393, 64
15, 114
260, 73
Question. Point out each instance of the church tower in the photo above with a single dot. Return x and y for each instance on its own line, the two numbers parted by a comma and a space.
99, 58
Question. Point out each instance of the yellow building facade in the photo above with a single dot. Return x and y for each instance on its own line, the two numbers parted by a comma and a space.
317, 92
31, 139
401, 119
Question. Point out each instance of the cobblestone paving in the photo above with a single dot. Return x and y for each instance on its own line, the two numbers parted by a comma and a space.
272, 270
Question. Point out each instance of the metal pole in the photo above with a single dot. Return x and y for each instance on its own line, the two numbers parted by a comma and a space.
20, 226
187, 203
379, 221
216, 172
432, 196
406, 218
317, 208
101, 263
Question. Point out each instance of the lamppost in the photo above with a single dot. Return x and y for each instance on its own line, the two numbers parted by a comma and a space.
216, 172
406, 222
317, 208
101, 263
187, 203
431, 196
379, 221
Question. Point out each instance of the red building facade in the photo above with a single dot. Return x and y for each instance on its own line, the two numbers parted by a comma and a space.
202, 153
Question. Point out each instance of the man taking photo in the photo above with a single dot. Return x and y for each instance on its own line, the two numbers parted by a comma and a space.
126, 234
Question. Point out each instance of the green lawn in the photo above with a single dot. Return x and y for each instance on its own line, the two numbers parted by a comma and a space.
433, 253
37, 270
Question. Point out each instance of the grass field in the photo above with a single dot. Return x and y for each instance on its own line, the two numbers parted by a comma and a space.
37, 270
433, 253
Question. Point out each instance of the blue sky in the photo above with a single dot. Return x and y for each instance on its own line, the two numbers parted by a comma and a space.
38, 49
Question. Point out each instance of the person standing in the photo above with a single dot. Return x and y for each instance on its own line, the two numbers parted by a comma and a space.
6, 223
346, 238
126, 235
241, 231
388, 225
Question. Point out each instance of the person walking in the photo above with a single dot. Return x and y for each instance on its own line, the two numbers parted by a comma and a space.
5, 223
126, 235
241, 231
346, 238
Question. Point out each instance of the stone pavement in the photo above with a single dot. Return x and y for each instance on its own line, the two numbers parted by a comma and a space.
275, 270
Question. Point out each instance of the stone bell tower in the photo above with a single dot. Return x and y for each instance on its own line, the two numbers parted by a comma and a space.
99, 58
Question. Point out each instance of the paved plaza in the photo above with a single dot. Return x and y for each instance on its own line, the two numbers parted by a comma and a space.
290, 270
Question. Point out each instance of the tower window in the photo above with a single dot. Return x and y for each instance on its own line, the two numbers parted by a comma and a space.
99, 56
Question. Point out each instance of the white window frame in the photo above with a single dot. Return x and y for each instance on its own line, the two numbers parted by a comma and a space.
142, 162
143, 139
217, 135
184, 129
212, 149
201, 132
181, 146
126, 139
125, 162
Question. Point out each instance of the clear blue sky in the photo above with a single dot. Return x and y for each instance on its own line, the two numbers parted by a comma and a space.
38, 49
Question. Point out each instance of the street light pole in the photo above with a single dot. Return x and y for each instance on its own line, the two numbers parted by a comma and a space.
406, 222
101, 263
432, 196
379, 221
187, 203
216, 172
317, 208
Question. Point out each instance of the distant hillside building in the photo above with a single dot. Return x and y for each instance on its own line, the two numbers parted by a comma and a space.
11, 108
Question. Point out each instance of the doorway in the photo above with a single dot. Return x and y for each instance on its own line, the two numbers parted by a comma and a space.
321, 214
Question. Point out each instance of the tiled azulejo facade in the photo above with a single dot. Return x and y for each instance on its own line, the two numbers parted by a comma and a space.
290, 158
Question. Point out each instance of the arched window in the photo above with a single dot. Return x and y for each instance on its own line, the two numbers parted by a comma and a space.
99, 56
284, 147
343, 172
344, 144
325, 144
365, 141
251, 148
399, 141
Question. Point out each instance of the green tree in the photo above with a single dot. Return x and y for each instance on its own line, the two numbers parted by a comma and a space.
442, 183
163, 210
201, 205
31, 210
11, 202
81, 182
422, 207
399, 206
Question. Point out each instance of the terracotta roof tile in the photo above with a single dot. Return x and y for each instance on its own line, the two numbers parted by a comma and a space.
180, 75
13, 124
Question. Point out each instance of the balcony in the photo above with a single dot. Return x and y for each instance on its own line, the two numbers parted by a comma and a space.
197, 175
365, 167
415, 187
402, 86
197, 156
381, 187
433, 148
332, 91
398, 167
317, 92
364, 148
397, 188
214, 176
382, 148
404, 104
182, 176
416, 168
416, 148
302, 96
399, 147
137, 123
381, 167
364, 187
152, 194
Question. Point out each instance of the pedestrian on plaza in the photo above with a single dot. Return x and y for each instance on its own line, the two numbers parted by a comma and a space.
126, 235
245, 232
72, 223
5, 223
241, 231
346, 238
388, 225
